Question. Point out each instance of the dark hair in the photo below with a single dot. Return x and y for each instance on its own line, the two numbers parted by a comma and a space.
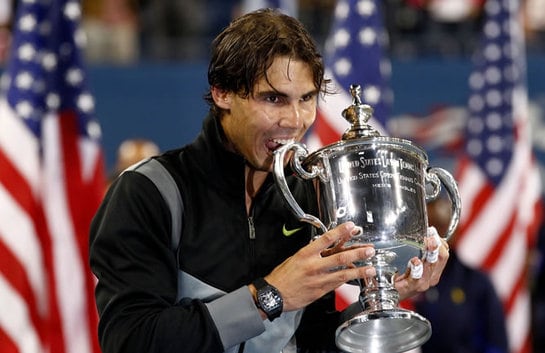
243, 52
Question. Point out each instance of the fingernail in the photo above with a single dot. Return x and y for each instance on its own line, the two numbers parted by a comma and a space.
417, 269
356, 231
370, 252
432, 256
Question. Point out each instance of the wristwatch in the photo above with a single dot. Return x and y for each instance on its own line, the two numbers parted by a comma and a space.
268, 299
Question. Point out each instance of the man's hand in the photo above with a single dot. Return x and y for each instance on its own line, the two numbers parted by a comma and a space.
325, 264
424, 273
320, 267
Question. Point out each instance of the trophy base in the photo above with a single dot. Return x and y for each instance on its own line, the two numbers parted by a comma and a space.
389, 330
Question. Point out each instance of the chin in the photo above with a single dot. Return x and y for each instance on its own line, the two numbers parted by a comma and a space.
261, 166
267, 167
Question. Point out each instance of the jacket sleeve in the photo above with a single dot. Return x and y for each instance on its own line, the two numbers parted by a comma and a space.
137, 281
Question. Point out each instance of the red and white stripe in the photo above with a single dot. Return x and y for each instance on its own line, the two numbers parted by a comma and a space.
47, 199
498, 226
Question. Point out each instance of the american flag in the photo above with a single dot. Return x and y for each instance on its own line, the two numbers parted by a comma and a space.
51, 182
353, 55
498, 177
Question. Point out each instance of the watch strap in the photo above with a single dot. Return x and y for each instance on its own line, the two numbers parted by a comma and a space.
260, 283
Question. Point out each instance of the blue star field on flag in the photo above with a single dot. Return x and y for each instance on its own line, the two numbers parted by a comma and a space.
491, 130
44, 73
355, 53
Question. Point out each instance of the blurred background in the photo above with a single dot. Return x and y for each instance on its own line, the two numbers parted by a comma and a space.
147, 59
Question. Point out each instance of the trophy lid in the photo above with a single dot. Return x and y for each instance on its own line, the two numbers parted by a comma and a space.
357, 115
360, 131
361, 135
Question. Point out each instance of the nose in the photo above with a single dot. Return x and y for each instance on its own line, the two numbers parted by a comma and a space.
291, 116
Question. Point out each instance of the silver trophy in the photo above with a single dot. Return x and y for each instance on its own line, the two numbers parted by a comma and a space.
381, 184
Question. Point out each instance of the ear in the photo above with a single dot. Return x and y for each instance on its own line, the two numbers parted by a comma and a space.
221, 97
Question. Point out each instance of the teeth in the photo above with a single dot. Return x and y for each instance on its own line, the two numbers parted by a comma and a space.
283, 141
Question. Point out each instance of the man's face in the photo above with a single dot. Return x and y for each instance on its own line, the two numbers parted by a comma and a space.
275, 114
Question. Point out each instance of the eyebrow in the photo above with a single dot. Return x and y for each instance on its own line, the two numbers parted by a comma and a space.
278, 93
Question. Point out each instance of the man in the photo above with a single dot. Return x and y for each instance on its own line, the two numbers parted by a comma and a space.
239, 243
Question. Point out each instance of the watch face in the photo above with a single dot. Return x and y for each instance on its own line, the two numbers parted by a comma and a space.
270, 300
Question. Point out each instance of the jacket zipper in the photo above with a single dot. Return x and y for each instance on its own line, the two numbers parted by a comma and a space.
251, 236
251, 227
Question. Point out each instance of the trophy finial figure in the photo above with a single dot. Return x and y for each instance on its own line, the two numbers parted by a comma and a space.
357, 115
355, 91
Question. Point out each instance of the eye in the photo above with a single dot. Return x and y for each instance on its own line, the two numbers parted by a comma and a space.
273, 99
307, 97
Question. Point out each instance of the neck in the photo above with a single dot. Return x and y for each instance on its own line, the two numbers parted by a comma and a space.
254, 179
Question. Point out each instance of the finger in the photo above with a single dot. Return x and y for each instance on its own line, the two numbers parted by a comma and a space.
433, 255
341, 233
341, 246
348, 274
348, 258
439, 266
416, 268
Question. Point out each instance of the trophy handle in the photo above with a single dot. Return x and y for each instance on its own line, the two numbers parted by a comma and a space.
437, 176
300, 153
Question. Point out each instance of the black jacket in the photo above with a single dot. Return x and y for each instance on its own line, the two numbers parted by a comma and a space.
222, 250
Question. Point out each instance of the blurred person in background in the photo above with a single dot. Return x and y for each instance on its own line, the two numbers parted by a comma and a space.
112, 31
132, 151
464, 309
454, 25
438, 27
534, 20
172, 30
6, 16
